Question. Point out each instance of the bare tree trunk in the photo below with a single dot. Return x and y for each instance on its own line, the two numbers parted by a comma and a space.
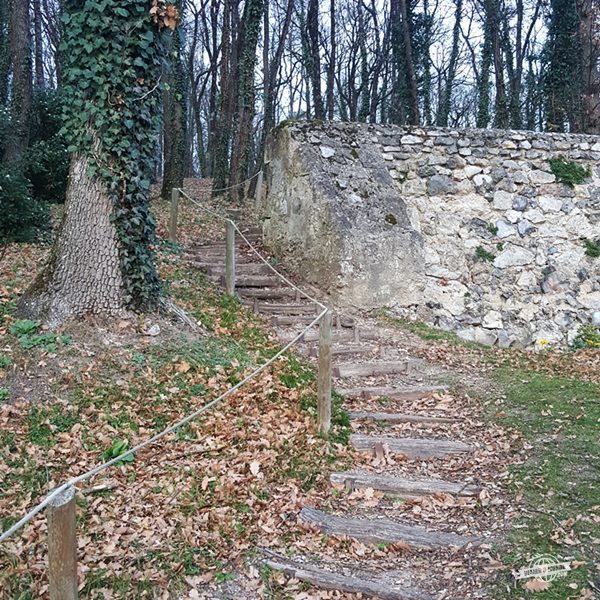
409, 65
446, 100
20, 107
589, 27
69, 286
39, 49
331, 67
4, 52
312, 22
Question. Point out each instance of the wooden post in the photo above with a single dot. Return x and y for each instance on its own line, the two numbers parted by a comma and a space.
62, 546
173, 216
230, 259
324, 381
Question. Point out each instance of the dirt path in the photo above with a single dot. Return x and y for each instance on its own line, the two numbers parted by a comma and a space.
421, 509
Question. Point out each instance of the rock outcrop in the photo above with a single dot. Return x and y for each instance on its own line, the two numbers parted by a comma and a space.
465, 229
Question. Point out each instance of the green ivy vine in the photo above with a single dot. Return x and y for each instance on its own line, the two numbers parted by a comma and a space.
113, 64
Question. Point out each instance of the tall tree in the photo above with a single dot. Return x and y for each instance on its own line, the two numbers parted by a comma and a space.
589, 32
21, 96
248, 41
175, 114
446, 99
314, 50
102, 262
564, 71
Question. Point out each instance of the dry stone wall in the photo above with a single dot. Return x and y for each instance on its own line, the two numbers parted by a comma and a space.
466, 229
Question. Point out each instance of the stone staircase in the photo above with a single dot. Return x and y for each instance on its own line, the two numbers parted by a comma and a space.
371, 370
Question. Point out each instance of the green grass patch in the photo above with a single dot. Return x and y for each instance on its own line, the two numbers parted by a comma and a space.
559, 418
426, 332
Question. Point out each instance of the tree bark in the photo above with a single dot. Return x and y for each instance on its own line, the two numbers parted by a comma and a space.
20, 106
70, 286
175, 117
39, 49
589, 28
312, 22
240, 155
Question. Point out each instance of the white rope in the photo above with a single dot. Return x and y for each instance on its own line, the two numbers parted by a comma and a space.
235, 185
102, 467
254, 250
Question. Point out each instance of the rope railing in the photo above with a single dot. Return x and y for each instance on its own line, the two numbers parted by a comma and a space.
60, 502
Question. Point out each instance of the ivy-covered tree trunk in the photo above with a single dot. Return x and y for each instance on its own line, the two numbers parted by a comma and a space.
240, 155
102, 261
175, 114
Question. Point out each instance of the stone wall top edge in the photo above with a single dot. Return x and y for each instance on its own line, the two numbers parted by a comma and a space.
379, 129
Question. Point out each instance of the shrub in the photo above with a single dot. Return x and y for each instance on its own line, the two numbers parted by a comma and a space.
47, 160
592, 248
568, 171
22, 218
588, 336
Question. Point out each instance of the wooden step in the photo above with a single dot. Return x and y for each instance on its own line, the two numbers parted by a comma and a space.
290, 309
404, 393
283, 321
402, 487
384, 531
411, 447
373, 369
246, 281
268, 294
338, 335
240, 269
346, 349
379, 585
362, 415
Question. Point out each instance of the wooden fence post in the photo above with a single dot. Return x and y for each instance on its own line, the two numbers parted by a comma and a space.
324, 377
62, 546
230, 259
173, 216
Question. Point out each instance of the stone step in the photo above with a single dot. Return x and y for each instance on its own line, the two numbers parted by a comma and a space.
411, 447
373, 369
363, 415
380, 585
402, 487
404, 393
384, 531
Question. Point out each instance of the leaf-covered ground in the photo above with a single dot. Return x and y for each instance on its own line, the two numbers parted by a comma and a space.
187, 513
551, 400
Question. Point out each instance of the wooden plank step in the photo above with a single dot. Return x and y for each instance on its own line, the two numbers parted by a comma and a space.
338, 335
412, 447
363, 415
379, 585
240, 269
402, 487
345, 349
384, 531
246, 281
283, 321
290, 309
404, 393
373, 369
270, 294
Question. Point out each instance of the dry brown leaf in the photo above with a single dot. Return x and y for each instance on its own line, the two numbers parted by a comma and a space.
536, 585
